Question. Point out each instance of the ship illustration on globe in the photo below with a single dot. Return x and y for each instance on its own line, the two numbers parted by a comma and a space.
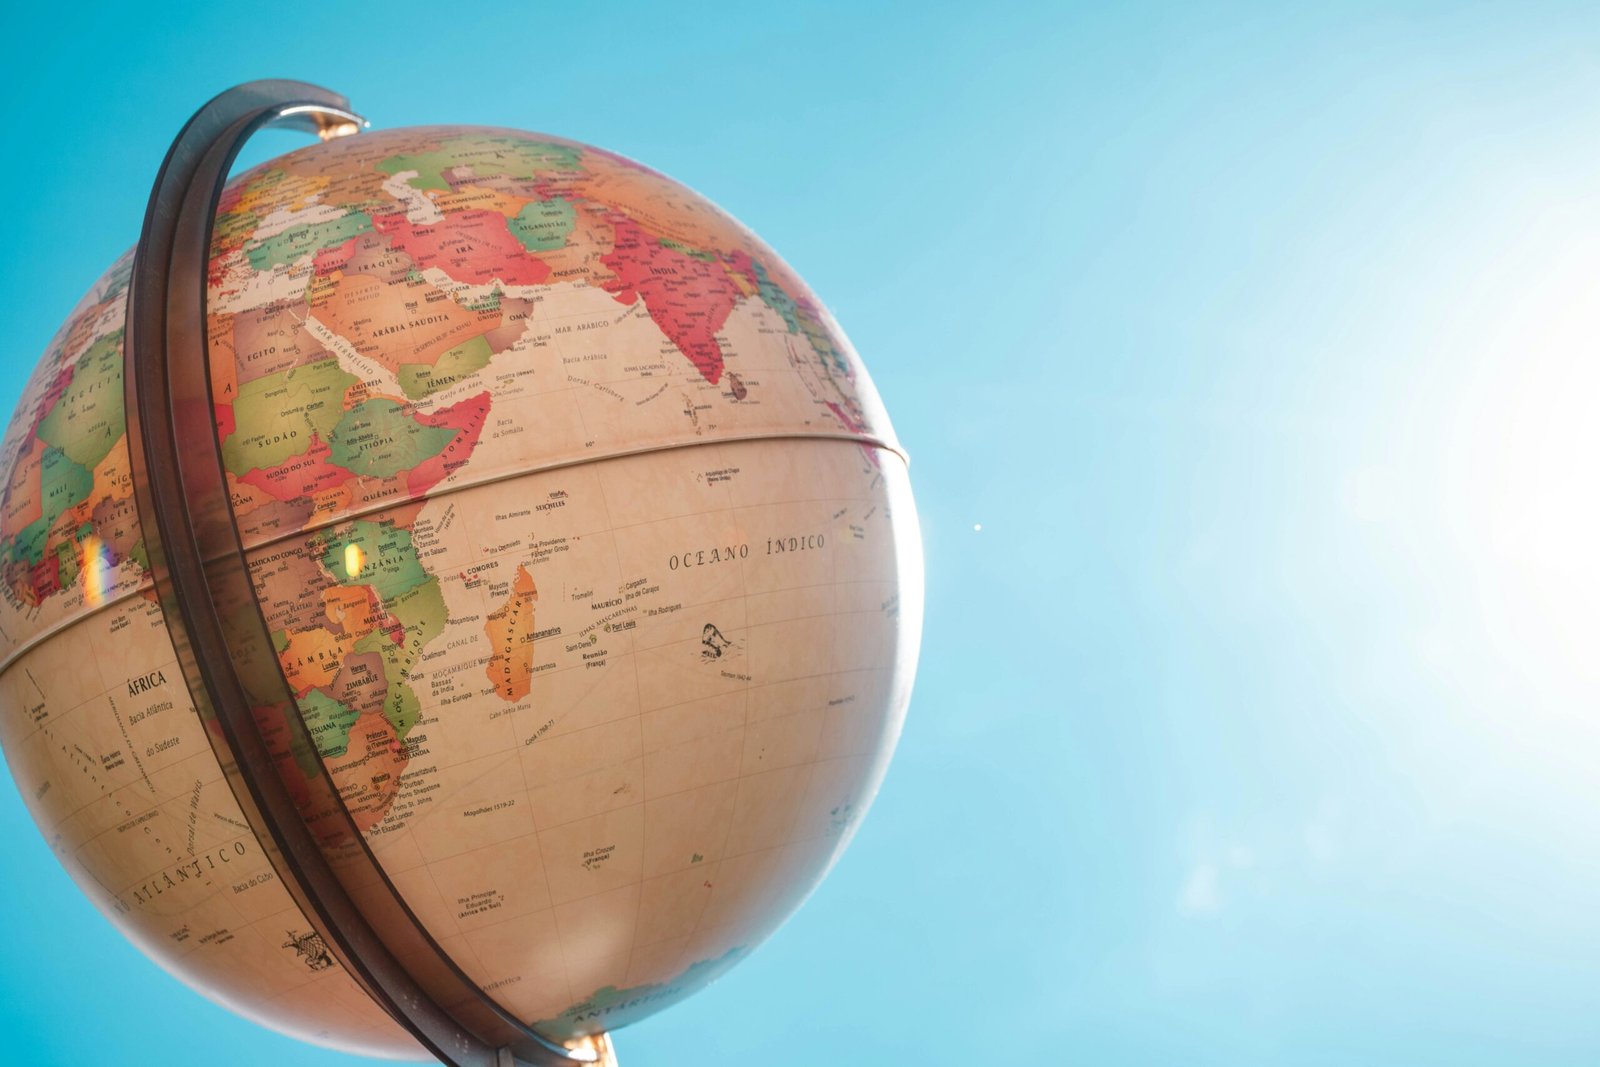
459, 589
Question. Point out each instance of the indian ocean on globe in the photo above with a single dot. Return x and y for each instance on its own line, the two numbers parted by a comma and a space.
585, 547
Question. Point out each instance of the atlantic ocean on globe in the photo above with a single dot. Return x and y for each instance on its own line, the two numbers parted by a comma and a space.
586, 549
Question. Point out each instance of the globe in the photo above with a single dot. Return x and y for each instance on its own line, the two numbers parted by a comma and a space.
586, 550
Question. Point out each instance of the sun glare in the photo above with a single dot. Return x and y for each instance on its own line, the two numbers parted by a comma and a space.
95, 559
1529, 483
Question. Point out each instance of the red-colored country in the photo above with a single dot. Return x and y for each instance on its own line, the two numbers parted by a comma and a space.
391, 627
467, 416
469, 246
853, 425
45, 578
688, 298
742, 262
328, 260
299, 476
223, 414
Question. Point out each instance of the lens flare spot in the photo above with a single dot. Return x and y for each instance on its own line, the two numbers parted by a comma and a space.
354, 559
95, 560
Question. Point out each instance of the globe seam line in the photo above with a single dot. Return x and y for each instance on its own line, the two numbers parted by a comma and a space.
145, 585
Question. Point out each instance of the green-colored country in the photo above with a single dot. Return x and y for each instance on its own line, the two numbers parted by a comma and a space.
117, 278
487, 157
689, 250
233, 228
822, 344
543, 225
774, 297
140, 555
418, 380
276, 415
236, 226
529, 159
610, 1007
402, 708
400, 704
86, 421
428, 165
62, 485
799, 320
421, 614
378, 438
67, 563
328, 722
488, 303
383, 557
298, 242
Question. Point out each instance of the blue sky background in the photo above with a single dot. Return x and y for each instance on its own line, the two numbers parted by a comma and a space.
1258, 724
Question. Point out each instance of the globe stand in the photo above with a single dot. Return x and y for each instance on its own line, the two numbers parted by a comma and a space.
223, 644
598, 1046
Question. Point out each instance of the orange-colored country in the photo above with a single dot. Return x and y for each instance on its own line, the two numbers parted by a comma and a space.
313, 657
113, 478
23, 499
352, 608
510, 632
219, 350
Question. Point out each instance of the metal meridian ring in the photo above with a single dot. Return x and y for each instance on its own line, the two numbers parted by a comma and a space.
224, 648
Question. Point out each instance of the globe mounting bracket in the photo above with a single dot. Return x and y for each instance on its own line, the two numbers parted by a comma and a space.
224, 647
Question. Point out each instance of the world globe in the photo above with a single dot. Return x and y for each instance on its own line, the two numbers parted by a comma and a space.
585, 549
